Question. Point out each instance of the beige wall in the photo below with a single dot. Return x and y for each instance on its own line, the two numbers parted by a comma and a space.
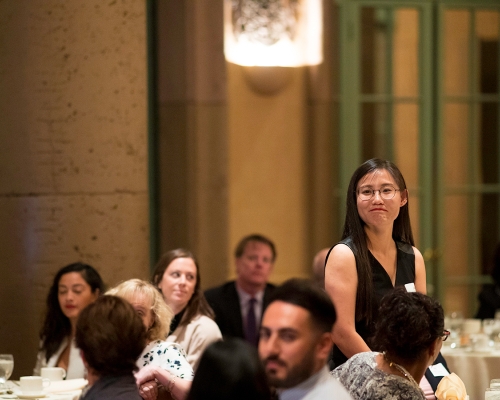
73, 143
267, 170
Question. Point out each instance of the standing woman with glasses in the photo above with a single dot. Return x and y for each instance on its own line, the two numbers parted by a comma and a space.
376, 254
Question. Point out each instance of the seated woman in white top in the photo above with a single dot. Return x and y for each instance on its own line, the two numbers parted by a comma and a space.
161, 357
74, 287
177, 276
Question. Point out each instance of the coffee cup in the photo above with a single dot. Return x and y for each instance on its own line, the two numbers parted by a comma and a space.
53, 373
33, 384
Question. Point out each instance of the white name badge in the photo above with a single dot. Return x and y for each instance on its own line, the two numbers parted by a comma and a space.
439, 370
410, 287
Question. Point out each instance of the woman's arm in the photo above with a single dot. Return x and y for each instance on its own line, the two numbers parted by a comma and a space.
178, 387
420, 279
341, 283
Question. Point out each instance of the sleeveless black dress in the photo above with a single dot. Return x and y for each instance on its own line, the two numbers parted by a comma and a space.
382, 284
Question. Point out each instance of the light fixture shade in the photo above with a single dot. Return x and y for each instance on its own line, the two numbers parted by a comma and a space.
285, 33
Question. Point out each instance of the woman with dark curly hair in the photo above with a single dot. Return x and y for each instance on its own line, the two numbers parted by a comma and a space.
73, 288
177, 276
409, 334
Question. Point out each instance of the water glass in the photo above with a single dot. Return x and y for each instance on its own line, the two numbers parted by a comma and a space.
6, 367
492, 394
455, 321
495, 383
488, 325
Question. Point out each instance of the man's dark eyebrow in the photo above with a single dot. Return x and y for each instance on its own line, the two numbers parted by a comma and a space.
287, 330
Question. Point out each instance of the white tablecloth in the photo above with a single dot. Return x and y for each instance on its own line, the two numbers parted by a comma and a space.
62, 390
476, 369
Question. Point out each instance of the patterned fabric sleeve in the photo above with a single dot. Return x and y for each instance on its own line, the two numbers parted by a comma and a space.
170, 357
363, 380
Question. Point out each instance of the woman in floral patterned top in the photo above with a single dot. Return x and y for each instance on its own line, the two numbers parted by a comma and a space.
160, 361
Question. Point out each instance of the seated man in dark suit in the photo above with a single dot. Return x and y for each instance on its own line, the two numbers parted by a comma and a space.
239, 305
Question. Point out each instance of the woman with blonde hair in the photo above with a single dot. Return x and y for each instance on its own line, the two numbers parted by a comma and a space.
159, 358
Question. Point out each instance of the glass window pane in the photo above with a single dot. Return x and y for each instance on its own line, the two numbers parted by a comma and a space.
375, 34
489, 230
374, 125
456, 52
459, 251
456, 242
488, 130
487, 32
457, 297
405, 52
456, 143
406, 150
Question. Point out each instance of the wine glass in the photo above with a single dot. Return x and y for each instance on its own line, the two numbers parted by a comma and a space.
6, 367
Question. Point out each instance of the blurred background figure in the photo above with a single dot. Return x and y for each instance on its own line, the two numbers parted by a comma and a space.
409, 334
74, 287
177, 276
230, 370
319, 267
111, 336
166, 357
239, 304
489, 297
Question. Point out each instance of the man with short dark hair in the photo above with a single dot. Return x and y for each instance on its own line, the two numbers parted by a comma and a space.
238, 305
110, 336
295, 342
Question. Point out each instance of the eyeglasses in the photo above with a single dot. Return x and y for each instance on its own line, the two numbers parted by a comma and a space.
385, 192
445, 335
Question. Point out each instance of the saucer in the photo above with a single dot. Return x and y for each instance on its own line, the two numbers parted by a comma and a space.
31, 395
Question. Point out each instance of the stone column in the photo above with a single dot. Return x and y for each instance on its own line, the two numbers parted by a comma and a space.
73, 143
192, 133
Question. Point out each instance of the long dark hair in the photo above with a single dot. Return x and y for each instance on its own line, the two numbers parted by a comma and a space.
197, 304
56, 325
354, 228
228, 370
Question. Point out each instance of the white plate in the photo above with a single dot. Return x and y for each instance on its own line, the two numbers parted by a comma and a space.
35, 395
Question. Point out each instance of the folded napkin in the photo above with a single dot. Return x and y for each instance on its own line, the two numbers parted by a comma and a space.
451, 387
68, 385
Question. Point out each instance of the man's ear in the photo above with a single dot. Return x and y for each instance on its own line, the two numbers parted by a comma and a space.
324, 345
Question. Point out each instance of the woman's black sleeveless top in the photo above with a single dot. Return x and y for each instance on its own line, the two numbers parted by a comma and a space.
405, 273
